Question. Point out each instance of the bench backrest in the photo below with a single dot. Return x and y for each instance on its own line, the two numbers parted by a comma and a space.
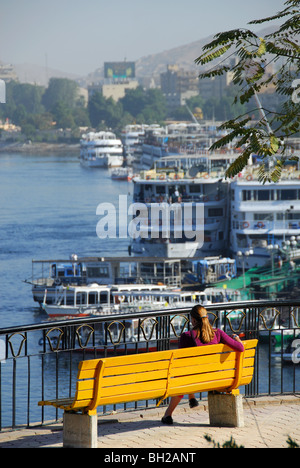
156, 375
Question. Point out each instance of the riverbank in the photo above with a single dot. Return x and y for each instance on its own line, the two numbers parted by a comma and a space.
44, 148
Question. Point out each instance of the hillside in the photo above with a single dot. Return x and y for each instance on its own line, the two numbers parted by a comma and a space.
151, 65
183, 56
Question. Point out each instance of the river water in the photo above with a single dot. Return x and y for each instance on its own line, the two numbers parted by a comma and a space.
48, 211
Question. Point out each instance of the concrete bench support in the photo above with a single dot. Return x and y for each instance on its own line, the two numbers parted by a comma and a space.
225, 410
80, 430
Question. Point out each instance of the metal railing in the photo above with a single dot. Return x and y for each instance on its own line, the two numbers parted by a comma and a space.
40, 361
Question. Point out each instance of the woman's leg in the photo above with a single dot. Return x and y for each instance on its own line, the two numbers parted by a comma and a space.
172, 405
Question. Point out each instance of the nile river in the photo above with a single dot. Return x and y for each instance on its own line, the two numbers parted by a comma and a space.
48, 211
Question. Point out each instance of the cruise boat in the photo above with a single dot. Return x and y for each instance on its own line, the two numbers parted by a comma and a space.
101, 149
95, 299
155, 145
92, 300
177, 139
51, 275
133, 138
180, 190
265, 219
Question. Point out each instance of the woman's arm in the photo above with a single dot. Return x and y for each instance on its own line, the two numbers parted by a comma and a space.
234, 343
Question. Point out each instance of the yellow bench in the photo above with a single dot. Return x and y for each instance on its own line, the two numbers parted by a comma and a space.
154, 375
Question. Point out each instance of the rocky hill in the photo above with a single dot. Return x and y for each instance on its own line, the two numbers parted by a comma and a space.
149, 66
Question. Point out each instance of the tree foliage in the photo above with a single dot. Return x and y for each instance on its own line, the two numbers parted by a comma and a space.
60, 90
268, 138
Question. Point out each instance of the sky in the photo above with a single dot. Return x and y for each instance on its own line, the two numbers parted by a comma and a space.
78, 36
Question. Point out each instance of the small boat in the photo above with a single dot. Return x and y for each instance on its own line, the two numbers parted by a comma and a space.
123, 173
211, 270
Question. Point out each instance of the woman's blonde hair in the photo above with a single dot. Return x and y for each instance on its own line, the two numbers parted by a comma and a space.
203, 328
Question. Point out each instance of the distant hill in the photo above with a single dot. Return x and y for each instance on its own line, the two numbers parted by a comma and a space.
29, 73
183, 56
151, 65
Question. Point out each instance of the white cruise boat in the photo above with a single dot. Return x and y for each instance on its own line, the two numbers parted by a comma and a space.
177, 139
93, 299
176, 188
265, 219
101, 149
132, 138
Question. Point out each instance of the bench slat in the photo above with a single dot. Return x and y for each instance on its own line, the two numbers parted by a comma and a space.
135, 368
132, 358
134, 388
219, 385
117, 380
202, 369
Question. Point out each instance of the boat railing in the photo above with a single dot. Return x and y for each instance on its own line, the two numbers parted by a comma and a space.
36, 361
267, 225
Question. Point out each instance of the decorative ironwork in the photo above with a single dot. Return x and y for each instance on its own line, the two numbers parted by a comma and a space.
215, 320
183, 325
121, 331
296, 322
54, 341
233, 320
269, 316
21, 344
87, 337
143, 324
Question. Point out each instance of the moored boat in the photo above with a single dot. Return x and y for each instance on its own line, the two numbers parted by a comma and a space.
101, 149
123, 173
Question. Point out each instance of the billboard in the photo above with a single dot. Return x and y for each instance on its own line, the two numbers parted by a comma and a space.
119, 70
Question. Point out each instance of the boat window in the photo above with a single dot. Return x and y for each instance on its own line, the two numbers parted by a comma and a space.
212, 212
104, 297
161, 189
263, 216
263, 195
287, 194
93, 298
290, 215
81, 298
246, 195
195, 188
98, 272
242, 240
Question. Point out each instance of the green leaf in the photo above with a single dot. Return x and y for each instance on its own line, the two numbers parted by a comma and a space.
262, 48
274, 142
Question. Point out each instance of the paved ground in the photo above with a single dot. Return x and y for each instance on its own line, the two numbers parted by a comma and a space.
268, 423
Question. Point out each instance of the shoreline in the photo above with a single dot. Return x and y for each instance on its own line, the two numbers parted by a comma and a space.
39, 148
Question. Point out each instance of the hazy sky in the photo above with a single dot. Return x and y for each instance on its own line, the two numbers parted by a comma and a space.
77, 36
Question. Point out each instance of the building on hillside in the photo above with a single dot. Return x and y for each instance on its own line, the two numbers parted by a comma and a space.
118, 78
178, 85
7, 72
217, 86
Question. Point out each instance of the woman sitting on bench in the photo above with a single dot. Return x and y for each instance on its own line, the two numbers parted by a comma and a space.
202, 334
